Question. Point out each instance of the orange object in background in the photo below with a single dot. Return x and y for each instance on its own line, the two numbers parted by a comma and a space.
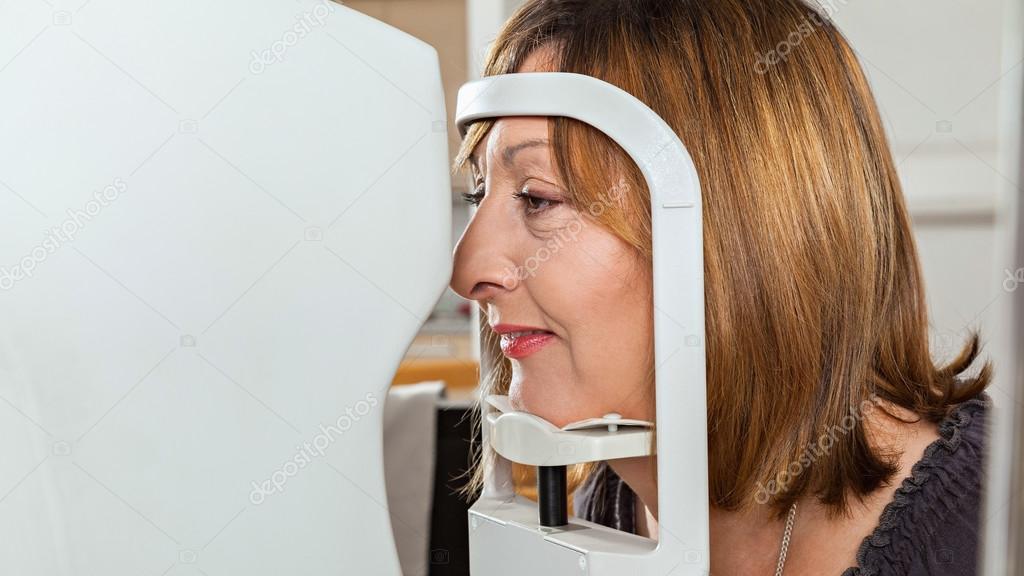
441, 356
459, 374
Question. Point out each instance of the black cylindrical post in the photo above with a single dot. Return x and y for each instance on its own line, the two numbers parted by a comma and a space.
551, 496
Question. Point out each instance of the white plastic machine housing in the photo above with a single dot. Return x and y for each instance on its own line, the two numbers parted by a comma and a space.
272, 229
505, 536
528, 439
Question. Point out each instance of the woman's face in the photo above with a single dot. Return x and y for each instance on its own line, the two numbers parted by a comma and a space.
534, 262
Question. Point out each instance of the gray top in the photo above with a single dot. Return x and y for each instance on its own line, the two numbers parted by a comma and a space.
930, 527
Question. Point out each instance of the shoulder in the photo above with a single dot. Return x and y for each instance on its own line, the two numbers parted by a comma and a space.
932, 524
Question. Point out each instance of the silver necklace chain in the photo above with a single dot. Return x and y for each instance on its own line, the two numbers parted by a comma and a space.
784, 547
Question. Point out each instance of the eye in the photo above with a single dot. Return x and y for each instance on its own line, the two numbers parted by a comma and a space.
534, 204
475, 196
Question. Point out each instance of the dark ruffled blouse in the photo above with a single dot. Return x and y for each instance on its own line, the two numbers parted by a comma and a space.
931, 526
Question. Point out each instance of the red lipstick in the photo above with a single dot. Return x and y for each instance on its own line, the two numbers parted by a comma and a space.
520, 341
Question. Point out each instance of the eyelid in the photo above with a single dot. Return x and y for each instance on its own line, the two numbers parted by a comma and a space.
523, 194
545, 191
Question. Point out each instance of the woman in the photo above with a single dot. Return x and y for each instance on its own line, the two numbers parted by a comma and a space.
836, 446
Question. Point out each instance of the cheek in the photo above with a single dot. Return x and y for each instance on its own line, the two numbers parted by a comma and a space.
597, 296
600, 294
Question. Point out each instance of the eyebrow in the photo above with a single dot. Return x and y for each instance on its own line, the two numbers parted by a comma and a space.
509, 152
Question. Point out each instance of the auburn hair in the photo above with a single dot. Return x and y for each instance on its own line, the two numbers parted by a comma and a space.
815, 306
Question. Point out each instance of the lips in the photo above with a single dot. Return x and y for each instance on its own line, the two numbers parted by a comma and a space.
521, 341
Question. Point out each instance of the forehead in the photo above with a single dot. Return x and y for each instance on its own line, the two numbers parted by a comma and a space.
511, 137
510, 130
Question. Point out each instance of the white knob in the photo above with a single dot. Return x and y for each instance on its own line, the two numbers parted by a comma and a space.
613, 416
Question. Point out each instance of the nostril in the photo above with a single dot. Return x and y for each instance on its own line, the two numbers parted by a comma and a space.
484, 290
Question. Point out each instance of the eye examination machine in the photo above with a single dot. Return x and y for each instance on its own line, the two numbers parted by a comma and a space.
221, 227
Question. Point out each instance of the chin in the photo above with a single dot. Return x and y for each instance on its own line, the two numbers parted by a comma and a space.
536, 406
535, 395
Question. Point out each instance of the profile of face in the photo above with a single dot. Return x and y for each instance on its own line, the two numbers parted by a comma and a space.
534, 262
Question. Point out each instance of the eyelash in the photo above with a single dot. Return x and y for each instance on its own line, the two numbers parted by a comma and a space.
477, 195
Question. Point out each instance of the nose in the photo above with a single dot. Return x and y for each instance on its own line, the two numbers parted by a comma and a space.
483, 268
